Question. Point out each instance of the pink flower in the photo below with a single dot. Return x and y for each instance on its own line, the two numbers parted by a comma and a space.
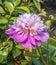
28, 30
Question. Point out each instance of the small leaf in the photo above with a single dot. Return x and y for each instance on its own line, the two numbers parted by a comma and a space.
13, 18
24, 8
1, 10
9, 6
24, 62
3, 20
48, 23
16, 52
19, 46
37, 4
16, 2
42, 13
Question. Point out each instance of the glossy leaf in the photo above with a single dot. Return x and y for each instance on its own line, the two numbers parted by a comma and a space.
9, 6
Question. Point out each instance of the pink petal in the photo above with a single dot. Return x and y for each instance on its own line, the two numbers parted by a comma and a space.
43, 37
38, 43
19, 37
10, 31
27, 44
32, 40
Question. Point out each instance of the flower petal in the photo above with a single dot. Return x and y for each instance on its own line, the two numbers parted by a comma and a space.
27, 44
43, 37
19, 37
10, 31
32, 40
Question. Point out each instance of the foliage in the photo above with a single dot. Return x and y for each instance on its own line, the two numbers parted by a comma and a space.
10, 50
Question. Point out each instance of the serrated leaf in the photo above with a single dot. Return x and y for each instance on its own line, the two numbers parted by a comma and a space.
9, 6
1, 10
16, 52
25, 8
3, 20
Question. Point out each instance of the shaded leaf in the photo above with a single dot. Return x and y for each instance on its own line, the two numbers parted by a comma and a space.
16, 52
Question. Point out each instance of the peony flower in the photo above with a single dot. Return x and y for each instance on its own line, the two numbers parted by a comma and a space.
28, 30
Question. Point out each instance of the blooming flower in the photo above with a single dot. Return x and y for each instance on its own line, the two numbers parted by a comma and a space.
28, 30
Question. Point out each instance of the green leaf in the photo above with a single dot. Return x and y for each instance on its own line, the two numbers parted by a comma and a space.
54, 32
9, 45
19, 46
37, 4
5, 53
3, 20
39, 0
25, 8
10, 63
16, 52
16, 2
3, 26
1, 57
9, 6
13, 18
52, 42
54, 19
1, 10
24, 62
54, 57
48, 23
36, 61
0, 1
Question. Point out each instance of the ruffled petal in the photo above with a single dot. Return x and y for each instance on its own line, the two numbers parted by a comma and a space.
43, 37
27, 44
10, 31
19, 37
32, 40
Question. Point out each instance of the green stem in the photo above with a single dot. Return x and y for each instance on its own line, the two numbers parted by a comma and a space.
40, 52
47, 60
